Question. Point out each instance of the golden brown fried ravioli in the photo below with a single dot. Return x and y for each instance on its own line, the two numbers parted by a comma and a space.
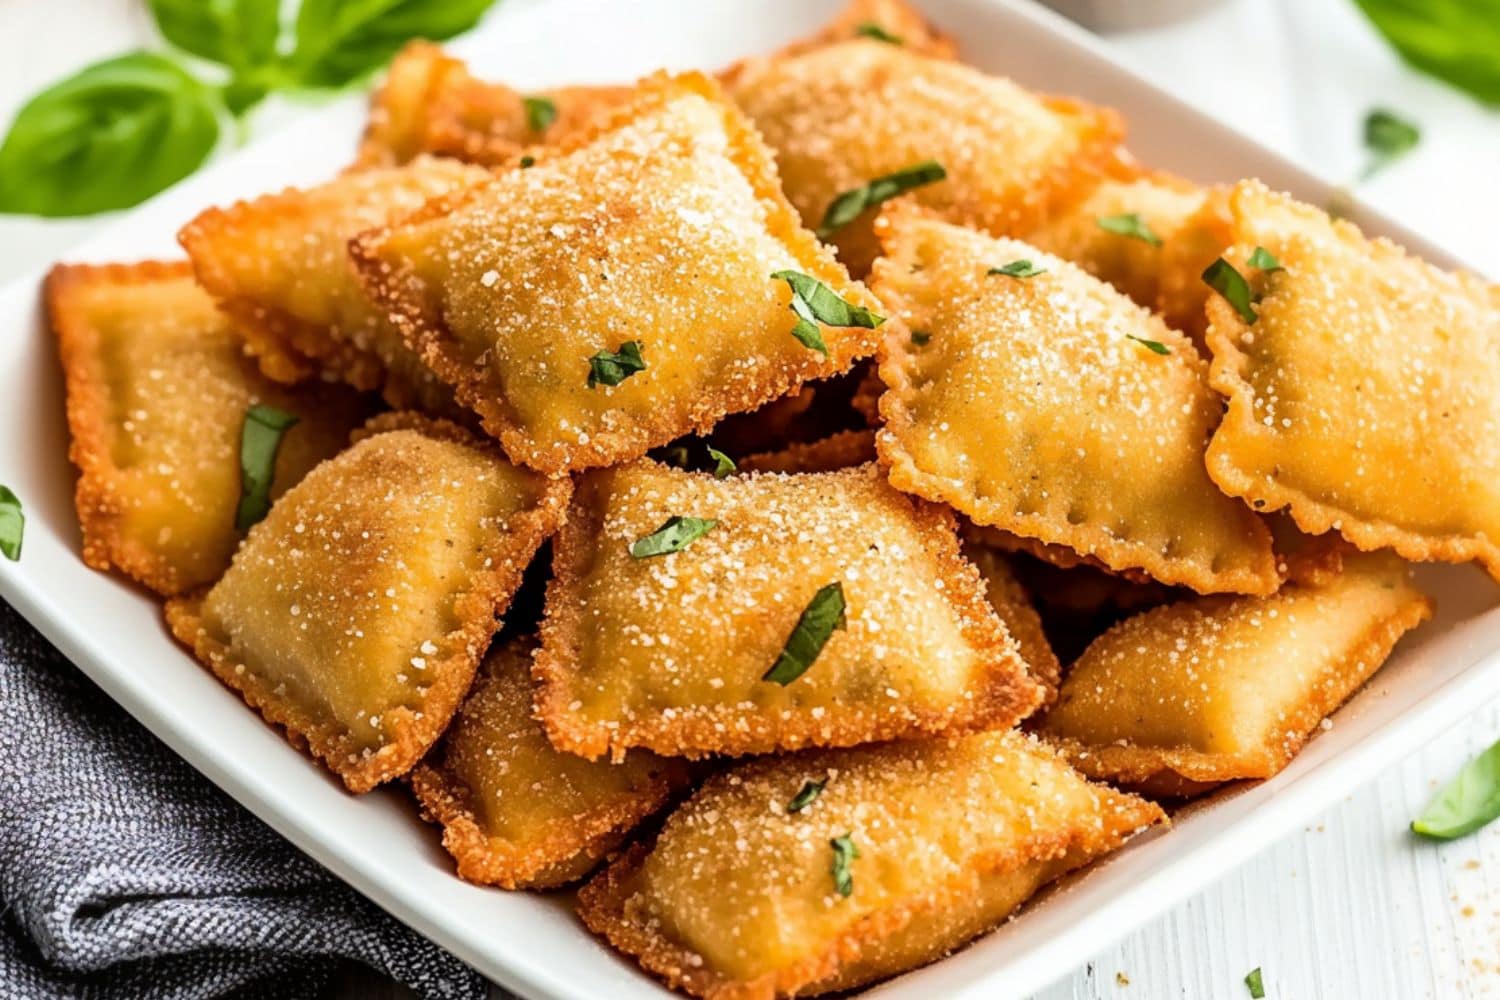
280, 265
844, 115
517, 813
659, 239
682, 653
837, 451
1365, 397
1212, 689
1055, 408
1009, 598
355, 614
158, 386
742, 897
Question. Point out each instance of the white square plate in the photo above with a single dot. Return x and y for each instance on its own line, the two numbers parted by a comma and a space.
532, 944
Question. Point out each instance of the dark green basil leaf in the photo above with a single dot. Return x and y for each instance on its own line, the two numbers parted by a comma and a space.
612, 368
675, 534
260, 439
814, 302
108, 137
869, 29
1224, 279
1265, 260
241, 34
1154, 346
12, 524
823, 614
1471, 800
527, 161
1018, 269
810, 791
847, 207
1254, 985
541, 112
1129, 224
1453, 40
1388, 137
338, 41
844, 853
723, 464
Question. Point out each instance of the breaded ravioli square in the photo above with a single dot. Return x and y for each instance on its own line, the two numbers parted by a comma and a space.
516, 812
355, 614
1053, 407
714, 645
820, 872
279, 264
842, 116
623, 293
1365, 396
1212, 689
158, 387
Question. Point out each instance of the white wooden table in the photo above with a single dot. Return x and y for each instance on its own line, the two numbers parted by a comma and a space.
1353, 906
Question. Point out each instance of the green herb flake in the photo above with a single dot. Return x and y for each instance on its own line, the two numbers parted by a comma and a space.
1254, 985
810, 791
869, 29
844, 853
527, 161
1154, 346
675, 534
260, 439
1471, 800
1018, 269
814, 302
921, 338
1264, 260
613, 367
12, 524
723, 464
1129, 224
541, 112
823, 614
847, 207
1222, 277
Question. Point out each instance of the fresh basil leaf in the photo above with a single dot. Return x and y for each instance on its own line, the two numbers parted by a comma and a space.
1453, 40
541, 112
921, 338
1129, 224
12, 524
1471, 800
823, 614
1018, 269
614, 367
527, 161
1154, 346
108, 137
844, 853
723, 464
1254, 985
260, 439
675, 534
810, 791
1263, 259
241, 34
1224, 279
869, 29
814, 302
338, 41
847, 207
241, 94
1388, 137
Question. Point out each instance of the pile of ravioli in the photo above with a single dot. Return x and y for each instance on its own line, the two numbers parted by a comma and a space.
813, 506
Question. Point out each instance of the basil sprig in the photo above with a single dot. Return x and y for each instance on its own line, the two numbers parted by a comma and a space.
613, 367
1129, 224
847, 207
870, 29
1225, 279
1018, 269
1471, 800
1154, 346
810, 791
814, 302
260, 440
541, 112
844, 853
675, 534
823, 614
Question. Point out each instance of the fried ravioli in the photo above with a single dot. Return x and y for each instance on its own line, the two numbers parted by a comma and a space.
517, 813
356, 613
158, 387
624, 293
1365, 397
1211, 689
684, 652
842, 116
905, 852
280, 265
1053, 407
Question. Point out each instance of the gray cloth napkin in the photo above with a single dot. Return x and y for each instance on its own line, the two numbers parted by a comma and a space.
124, 873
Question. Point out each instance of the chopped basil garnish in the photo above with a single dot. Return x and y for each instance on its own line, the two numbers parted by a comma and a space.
1224, 279
1254, 985
527, 161
844, 853
12, 524
614, 367
1388, 137
1018, 269
260, 438
1471, 800
814, 302
1154, 346
675, 534
1130, 224
846, 207
810, 790
921, 338
1264, 260
540, 112
823, 614
869, 29
723, 464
